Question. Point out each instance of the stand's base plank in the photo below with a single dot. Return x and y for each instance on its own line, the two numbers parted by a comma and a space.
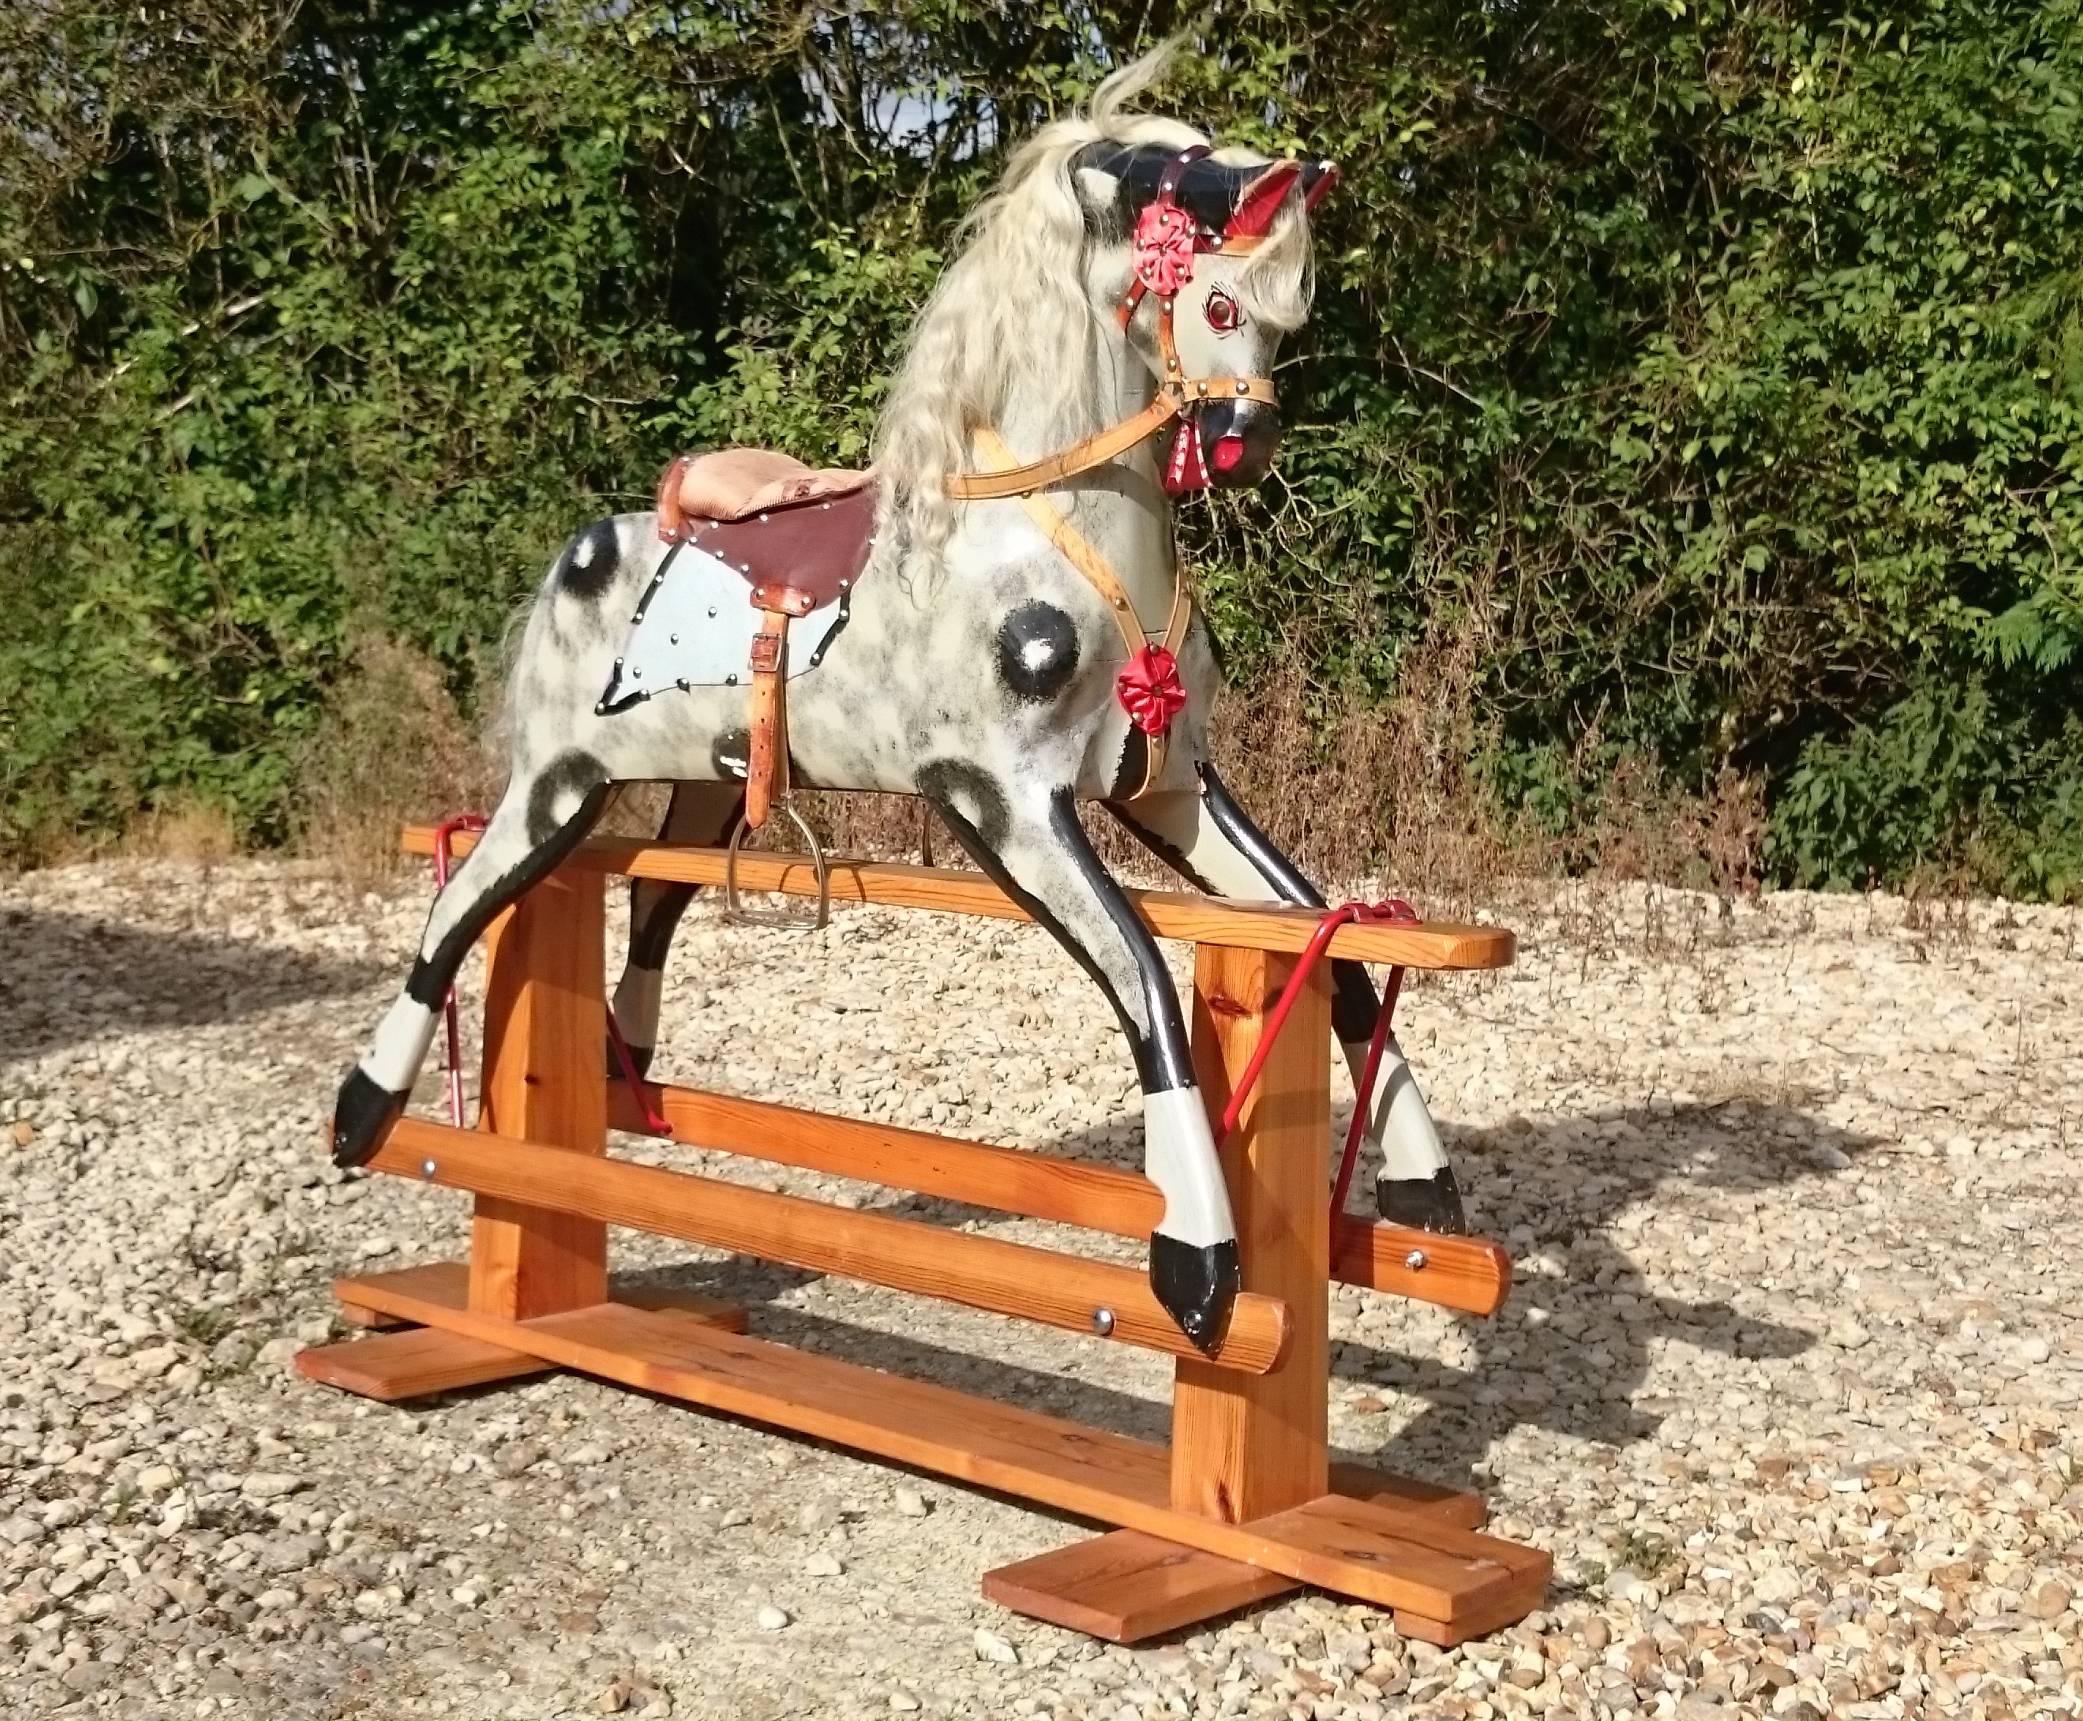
405, 1297
415, 1362
1392, 1556
1125, 1586
419, 1360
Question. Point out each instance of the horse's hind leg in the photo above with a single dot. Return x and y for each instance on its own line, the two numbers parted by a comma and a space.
1210, 841
698, 813
1036, 850
539, 820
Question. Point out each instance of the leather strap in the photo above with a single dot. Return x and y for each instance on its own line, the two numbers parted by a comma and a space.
1116, 439
1072, 544
766, 763
1078, 550
1108, 444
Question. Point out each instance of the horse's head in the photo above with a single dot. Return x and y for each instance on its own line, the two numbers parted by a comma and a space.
1212, 254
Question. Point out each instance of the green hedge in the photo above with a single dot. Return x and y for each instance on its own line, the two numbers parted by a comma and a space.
1709, 375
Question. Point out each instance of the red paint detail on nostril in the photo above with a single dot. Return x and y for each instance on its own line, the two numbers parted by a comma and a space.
1229, 452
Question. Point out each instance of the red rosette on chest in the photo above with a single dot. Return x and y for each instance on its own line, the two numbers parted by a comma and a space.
1164, 242
1150, 690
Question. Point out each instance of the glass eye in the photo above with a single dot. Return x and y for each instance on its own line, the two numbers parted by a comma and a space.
1222, 312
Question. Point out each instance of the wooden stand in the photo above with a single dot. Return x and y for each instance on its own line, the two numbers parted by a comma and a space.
1242, 1506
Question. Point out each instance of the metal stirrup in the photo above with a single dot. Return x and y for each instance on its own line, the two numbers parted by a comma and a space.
777, 916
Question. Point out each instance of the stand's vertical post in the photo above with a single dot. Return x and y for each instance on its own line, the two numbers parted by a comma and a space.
544, 1080
1245, 1445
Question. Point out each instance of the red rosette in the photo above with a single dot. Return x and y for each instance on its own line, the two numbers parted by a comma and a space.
1150, 690
1164, 243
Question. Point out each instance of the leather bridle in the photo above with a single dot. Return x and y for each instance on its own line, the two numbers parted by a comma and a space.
1167, 239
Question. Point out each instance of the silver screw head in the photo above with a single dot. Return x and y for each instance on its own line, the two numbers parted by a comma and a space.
1415, 1260
1103, 1321
427, 1168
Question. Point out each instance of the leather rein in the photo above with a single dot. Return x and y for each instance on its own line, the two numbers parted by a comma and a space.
1167, 239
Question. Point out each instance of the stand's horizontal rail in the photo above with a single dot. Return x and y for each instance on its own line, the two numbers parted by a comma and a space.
1168, 913
1400, 1553
1058, 1290
1454, 1272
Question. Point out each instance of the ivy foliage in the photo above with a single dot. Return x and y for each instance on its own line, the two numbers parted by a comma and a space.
1708, 371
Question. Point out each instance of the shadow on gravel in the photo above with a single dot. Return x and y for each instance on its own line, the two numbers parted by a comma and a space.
1571, 1352
70, 978
1568, 1353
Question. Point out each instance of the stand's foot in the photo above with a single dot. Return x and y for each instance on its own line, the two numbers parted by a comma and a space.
1126, 1586
412, 1361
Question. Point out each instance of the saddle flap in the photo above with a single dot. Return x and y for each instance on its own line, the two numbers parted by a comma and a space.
814, 548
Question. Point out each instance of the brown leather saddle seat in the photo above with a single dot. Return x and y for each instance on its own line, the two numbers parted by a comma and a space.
800, 535
800, 538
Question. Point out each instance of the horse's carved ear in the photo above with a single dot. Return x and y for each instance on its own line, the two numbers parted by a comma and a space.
1258, 201
1317, 178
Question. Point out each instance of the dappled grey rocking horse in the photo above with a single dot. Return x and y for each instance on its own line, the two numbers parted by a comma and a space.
993, 618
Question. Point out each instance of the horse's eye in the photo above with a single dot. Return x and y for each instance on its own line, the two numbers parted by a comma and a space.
1222, 312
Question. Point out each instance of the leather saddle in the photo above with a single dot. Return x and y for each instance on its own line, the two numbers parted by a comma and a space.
799, 538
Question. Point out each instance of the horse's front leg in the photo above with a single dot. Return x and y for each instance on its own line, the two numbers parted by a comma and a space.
1210, 842
1031, 844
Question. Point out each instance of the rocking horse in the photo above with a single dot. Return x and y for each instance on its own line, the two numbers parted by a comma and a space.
994, 617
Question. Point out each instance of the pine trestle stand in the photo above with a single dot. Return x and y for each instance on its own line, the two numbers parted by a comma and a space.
1244, 1505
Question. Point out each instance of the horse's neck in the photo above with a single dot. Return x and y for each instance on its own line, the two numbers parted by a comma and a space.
1120, 508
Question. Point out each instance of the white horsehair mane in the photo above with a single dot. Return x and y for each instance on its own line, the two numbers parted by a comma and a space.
1012, 317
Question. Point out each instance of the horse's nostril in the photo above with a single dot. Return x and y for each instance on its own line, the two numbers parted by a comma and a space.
1229, 452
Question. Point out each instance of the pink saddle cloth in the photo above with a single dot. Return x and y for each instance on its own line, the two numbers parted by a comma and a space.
738, 483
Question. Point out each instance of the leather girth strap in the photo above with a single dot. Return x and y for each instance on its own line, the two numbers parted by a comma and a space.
996, 459
766, 762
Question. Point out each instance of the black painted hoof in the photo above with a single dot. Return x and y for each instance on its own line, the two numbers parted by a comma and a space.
1196, 1286
1423, 1203
362, 1117
640, 1056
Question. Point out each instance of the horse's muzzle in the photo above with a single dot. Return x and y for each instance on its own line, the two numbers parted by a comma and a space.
1239, 439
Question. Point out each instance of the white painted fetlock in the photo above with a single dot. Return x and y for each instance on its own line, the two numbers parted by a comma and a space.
1179, 1157
1401, 1127
400, 1047
1194, 1269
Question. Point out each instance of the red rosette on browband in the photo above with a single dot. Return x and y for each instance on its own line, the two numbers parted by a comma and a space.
1150, 690
1164, 244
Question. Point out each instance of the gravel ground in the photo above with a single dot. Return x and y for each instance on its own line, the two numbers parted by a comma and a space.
1792, 1383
